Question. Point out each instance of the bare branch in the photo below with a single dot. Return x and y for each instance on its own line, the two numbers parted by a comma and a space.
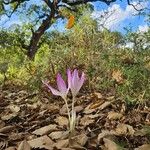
78, 2
134, 6
19, 2
49, 3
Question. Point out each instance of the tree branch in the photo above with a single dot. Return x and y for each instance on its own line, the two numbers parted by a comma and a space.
128, 1
78, 2
49, 3
36, 36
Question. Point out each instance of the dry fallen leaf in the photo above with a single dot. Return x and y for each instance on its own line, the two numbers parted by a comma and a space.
9, 116
11, 148
78, 109
63, 110
124, 129
142, 132
24, 145
88, 110
6, 129
98, 95
114, 115
43, 142
104, 105
105, 133
14, 108
71, 21
96, 104
110, 145
117, 75
78, 141
45, 130
143, 147
59, 135
62, 121
67, 148
61, 144
2, 124
3, 144
85, 121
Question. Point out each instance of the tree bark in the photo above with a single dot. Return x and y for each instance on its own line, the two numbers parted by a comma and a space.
36, 36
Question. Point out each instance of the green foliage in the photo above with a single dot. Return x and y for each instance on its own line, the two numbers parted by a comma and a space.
97, 53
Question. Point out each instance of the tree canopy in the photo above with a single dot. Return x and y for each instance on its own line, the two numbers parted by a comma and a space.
42, 14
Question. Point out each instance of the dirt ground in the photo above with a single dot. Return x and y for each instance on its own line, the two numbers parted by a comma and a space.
39, 121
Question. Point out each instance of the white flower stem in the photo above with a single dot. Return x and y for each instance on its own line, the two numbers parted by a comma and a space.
73, 119
68, 112
73, 100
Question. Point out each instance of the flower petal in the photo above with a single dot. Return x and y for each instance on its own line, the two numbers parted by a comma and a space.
75, 82
82, 79
54, 91
69, 78
61, 85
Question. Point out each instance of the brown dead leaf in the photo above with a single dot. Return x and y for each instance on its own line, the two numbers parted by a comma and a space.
9, 116
59, 135
45, 130
93, 142
105, 133
24, 145
98, 95
62, 121
85, 121
94, 116
143, 147
110, 97
63, 110
71, 22
96, 104
41, 142
67, 148
3, 135
6, 129
88, 110
117, 75
148, 118
110, 145
61, 144
114, 115
142, 132
10, 148
3, 144
14, 108
78, 109
2, 124
17, 136
124, 129
50, 107
78, 141
104, 105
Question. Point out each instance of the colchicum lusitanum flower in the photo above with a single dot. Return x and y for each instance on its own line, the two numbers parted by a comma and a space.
74, 84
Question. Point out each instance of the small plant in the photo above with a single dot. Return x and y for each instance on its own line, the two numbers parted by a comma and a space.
74, 84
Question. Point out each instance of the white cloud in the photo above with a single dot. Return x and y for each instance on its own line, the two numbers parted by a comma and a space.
114, 15
8, 22
143, 28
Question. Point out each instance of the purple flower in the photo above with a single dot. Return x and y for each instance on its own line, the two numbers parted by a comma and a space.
62, 88
74, 81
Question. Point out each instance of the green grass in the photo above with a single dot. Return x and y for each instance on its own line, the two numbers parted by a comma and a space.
90, 53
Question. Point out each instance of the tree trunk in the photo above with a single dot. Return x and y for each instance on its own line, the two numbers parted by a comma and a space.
36, 36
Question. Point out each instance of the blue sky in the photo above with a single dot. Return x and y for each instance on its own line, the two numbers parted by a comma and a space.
120, 15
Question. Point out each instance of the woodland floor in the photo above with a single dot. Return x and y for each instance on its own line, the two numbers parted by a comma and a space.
39, 121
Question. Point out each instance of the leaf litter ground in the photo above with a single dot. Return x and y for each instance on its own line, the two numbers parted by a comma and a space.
39, 121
